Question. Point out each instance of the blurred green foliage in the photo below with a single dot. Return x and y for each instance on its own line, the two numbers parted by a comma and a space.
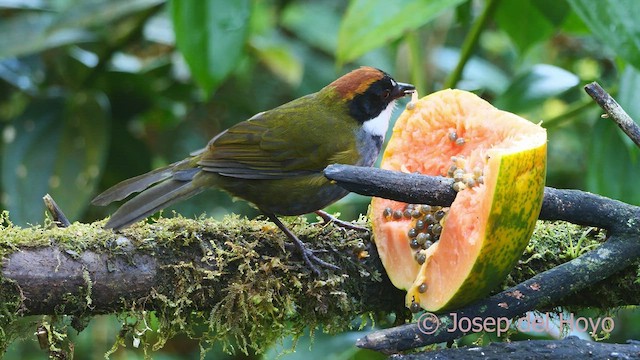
96, 91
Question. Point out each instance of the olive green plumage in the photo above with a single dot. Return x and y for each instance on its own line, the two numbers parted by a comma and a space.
275, 159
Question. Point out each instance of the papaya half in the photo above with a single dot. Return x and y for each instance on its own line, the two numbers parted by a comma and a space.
448, 257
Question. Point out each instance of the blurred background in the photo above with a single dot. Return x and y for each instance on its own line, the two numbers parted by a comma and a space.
94, 92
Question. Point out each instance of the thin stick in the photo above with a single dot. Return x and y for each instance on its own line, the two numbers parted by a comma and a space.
59, 218
614, 111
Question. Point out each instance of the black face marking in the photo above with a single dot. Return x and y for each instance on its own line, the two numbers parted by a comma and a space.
373, 101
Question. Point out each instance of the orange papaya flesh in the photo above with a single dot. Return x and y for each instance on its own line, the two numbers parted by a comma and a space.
498, 162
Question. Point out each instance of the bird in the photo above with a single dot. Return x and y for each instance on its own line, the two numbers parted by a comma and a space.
275, 159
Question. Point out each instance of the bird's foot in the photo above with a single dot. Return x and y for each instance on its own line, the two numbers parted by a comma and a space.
308, 255
310, 258
327, 218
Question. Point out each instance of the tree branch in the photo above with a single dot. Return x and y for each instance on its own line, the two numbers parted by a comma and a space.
569, 348
614, 111
544, 289
574, 206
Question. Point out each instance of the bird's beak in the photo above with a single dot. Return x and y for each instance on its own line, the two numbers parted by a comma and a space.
402, 89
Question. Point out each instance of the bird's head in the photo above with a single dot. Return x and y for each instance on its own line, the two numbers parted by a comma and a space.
370, 95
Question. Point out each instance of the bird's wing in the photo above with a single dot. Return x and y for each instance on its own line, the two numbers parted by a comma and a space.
258, 149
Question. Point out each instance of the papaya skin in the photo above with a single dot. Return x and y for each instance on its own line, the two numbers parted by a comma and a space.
489, 225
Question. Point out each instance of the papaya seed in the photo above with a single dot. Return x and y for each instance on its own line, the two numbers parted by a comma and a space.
397, 215
414, 244
451, 170
456, 186
422, 238
437, 229
425, 209
427, 244
387, 212
460, 141
420, 225
412, 233
458, 175
469, 182
453, 135
429, 219
422, 288
420, 257
407, 213
415, 307
438, 215
415, 213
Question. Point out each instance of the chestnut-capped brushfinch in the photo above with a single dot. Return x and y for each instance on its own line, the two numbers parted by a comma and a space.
276, 159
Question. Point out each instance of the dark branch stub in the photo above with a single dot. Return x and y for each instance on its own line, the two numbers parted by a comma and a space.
614, 111
59, 218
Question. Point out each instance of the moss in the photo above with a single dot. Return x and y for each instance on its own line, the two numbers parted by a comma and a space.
554, 243
266, 297
262, 294
240, 286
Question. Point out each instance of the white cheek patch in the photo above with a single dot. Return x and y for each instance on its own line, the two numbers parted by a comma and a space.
378, 126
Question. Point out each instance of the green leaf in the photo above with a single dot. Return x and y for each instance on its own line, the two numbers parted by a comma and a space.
211, 36
29, 33
314, 22
615, 24
540, 83
32, 32
369, 24
84, 14
519, 19
614, 160
56, 146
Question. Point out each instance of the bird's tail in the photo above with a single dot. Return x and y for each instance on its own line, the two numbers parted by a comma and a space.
172, 184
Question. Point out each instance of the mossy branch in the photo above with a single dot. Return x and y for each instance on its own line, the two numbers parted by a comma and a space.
236, 274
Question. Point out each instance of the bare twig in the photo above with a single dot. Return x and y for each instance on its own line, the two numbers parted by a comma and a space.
59, 218
614, 111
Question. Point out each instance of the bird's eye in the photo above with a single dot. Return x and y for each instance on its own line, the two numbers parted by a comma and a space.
386, 93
